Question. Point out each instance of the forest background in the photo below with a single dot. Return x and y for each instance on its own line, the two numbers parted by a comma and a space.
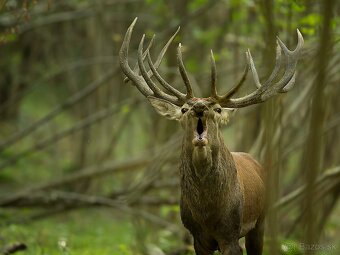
88, 167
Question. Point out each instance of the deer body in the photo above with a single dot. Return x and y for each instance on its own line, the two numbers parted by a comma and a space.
208, 194
222, 193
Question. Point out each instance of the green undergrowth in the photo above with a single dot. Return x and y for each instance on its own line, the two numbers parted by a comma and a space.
102, 231
95, 231
86, 232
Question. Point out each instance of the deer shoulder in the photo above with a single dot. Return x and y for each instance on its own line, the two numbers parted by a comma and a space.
251, 177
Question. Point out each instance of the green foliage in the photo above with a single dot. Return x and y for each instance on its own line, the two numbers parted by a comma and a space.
88, 232
159, 6
8, 37
125, 109
335, 23
291, 247
166, 210
196, 4
310, 23
208, 36
192, 65
297, 6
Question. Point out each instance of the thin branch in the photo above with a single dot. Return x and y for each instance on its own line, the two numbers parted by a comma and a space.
192, 16
95, 171
58, 109
39, 17
59, 71
329, 175
90, 120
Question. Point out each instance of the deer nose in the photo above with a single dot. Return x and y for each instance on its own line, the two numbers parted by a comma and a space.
199, 109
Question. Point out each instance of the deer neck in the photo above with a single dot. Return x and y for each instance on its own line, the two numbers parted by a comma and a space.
209, 186
208, 165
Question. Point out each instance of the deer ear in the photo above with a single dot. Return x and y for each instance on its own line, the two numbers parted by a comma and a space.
226, 114
165, 108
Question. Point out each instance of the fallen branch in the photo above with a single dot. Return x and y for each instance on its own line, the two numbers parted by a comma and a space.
109, 167
89, 172
13, 248
71, 199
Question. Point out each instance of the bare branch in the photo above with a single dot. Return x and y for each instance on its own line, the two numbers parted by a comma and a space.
58, 109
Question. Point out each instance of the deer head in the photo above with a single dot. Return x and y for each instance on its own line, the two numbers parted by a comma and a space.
201, 117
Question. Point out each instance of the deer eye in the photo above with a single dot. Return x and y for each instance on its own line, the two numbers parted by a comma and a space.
184, 110
219, 110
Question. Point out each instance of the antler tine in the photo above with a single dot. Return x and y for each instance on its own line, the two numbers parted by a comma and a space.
236, 88
274, 72
213, 75
157, 92
165, 48
250, 62
144, 82
288, 79
269, 89
292, 58
136, 68
124, 64
160, 56
183, 72
160, 79
289, 85
233, 90
278, 61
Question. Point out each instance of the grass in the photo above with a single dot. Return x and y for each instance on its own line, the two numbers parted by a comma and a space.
99, 231
90, 231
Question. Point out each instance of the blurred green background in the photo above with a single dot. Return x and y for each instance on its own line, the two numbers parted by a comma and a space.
88, 167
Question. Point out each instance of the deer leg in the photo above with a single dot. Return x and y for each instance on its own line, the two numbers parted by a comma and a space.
231, 248
203, 248
254, 239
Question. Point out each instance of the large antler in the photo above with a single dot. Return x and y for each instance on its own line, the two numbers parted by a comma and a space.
269, 88
143, 82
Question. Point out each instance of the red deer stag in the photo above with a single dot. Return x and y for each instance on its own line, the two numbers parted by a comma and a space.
222, 192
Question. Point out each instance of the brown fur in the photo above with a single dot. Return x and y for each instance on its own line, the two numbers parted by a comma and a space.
250, 176
222, 193
217, 208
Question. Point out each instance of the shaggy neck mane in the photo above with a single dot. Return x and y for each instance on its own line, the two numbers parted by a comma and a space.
205, 166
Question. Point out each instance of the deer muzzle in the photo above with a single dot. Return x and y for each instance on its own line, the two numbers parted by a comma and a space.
200, 134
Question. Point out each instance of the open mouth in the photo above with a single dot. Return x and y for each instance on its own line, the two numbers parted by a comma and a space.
200, 134
200, 127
